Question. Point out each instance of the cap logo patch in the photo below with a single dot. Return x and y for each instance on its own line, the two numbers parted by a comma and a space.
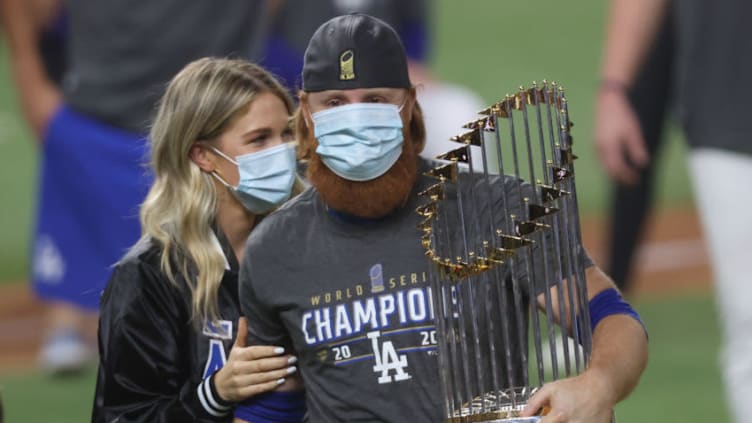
347, 66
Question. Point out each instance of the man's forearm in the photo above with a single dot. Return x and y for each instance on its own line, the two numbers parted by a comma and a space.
620, 354
620, 344
38, 95
631, 28
20, 28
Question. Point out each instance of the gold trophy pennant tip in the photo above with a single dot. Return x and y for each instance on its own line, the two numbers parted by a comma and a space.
485, 123
427, 210
434, 192
425, 227
559, 174
511, 242
445, 172
567, 156
536, 95
498, 109
459, 269
499, 255
536, 211
549, 193
515, 102
472, 137
461, 154
528, 227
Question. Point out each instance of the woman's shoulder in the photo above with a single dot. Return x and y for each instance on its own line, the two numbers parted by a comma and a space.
142, 258
138, 277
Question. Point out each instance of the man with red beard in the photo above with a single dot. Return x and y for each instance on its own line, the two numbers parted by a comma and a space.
338, 275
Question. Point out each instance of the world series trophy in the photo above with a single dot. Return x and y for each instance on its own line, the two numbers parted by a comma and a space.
501, 227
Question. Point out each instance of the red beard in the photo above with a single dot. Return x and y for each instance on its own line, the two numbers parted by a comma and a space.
368, 199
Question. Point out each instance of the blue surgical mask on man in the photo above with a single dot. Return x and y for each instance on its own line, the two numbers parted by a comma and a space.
361, 141
265, 177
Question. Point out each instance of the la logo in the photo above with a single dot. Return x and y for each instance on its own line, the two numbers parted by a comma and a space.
387, 360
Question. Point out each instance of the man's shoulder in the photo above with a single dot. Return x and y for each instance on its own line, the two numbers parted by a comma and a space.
300, 205
300, 202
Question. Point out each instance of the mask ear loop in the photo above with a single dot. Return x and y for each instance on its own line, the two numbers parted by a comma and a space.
214, 172
306, 115
221, 181
402, 105
410, 92
223, 155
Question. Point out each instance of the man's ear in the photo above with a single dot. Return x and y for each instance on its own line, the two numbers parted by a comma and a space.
305, 112
409, 107
304, 129
203, 158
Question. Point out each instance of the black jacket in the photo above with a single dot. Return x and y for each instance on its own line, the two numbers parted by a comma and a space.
153, 359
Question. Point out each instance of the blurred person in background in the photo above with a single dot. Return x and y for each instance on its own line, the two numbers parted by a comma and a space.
36, 32
222, 160
713, 62
632, 169
92, 135
446, 106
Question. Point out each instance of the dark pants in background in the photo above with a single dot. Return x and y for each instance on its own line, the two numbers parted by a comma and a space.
630, 204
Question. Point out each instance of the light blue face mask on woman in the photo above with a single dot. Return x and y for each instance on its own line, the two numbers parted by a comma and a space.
360, 141
266, 177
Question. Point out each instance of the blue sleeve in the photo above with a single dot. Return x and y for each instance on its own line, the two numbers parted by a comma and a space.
273, 407
607, 303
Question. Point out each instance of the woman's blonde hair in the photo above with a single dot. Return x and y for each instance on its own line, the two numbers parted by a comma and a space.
200, 104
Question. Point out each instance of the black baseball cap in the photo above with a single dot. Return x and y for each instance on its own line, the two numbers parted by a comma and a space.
354, 51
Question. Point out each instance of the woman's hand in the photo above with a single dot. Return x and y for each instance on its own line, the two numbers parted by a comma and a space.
253, 370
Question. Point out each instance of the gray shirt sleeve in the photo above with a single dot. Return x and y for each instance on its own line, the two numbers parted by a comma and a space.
265, 326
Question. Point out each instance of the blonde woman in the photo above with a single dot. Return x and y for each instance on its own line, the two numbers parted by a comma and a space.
168, 332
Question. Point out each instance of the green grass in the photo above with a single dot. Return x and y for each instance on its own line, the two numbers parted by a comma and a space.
681, 384
17, 180
38, 398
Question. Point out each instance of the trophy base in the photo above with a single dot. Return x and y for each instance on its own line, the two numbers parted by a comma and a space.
483, 419
497, 407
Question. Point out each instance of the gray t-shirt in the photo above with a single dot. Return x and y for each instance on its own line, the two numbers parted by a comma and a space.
122, 53
353, 301
714, 61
